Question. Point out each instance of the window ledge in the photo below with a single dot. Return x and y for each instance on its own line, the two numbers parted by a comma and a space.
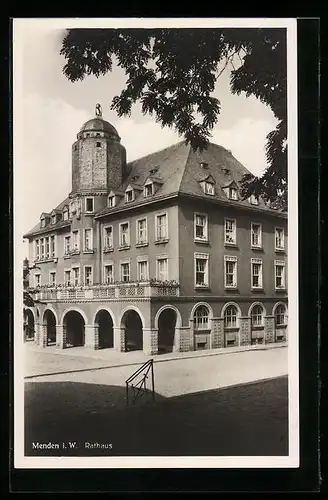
125, 247
227, 244
43, 261
67, 256
259, 249
164, 240
89, 214
145, 244
203, 242
88, 251
206, 331
257, 327
280, 250
108, 249
281, 290
202, 287
257, 289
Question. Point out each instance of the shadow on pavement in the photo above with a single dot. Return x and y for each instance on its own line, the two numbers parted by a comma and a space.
248, 420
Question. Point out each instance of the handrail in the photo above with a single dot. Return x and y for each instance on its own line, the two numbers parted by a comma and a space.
139, 388
142, 367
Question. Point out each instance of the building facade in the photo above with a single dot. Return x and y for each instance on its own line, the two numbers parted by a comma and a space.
159, 254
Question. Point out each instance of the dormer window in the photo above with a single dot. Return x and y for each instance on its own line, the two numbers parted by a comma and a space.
43, 222
111, 201
233, 193
209, 188
253, 200
129, 195
65, 214
148, 190
53, 219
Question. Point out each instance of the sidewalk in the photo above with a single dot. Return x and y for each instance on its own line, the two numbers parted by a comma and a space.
51, 360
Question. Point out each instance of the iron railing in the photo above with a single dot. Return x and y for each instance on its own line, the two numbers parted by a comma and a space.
137, 383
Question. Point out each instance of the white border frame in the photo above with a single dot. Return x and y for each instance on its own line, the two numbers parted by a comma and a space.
290, 461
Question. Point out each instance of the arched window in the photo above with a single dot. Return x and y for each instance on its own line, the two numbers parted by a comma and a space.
280, 315
201, 317
230, 317
257, 315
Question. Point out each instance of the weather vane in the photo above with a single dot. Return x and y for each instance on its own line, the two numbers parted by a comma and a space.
98, 110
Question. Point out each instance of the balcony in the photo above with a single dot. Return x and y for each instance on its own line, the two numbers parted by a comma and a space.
130, 290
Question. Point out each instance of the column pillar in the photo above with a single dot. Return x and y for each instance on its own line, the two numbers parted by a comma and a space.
150, 341
89, 336
60, 336
269, 330
37, 333
43, 336
119, 339
217, 333
245, 331
186, 338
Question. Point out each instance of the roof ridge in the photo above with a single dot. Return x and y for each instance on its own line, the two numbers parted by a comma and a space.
157, 151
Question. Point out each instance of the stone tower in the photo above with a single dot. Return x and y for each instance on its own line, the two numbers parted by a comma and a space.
98, 158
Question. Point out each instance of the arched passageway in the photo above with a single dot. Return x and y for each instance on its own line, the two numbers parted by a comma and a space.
74, 326
166, 330
104, 323
132, 324
29, 325
50, 322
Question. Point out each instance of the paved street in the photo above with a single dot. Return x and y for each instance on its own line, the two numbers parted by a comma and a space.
193, 413
249, 420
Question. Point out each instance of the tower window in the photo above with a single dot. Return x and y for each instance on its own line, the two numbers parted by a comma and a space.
98, 144
89, 205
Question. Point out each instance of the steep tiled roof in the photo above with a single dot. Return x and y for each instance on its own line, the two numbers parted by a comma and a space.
180, 169
36, 229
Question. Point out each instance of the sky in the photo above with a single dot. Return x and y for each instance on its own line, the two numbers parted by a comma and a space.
52, 110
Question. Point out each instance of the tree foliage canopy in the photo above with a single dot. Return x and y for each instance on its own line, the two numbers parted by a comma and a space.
173, 72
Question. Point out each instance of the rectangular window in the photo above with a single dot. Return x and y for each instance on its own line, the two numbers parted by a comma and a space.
200, 227
65, 214
111, 201
67, 277
53, 219
108, 237
43, 222
52, 278
279, 238
109, 273
230, 231
209, 188
201, 270
76, 276
280, 282
162, 269
230, 271
37, 249
141, 231
129, 195
148, 190
230, 318
76, 240
88, 275
142, 269
233, 193
89, 205
42, 248
37, 279
67, 245
88, 239
52, 246
161, 227
47, 247
125, 271
257, 270
124, 234
256, 234
253, 200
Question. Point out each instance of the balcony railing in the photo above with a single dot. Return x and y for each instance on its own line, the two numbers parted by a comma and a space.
128, 290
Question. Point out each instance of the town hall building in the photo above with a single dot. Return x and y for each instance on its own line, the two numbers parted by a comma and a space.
159, 254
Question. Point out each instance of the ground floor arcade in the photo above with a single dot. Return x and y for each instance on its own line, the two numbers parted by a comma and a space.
157, 327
